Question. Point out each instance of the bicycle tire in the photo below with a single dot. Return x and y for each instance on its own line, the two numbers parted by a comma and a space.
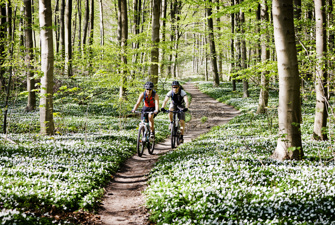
178, 137
172, 138
151, 147
140, 144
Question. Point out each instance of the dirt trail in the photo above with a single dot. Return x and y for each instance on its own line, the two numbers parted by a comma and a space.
123, 202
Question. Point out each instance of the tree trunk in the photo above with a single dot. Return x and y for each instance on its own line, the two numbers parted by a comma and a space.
172, 36
47, 67
10, 38
62, 29
265, 55
2, 44
68, 38
220, 55
102, 31
320, 120
164, 8
232, 45
243, 53
155, 41
289, 144
212, 54
31, 104
86, 20
330, 80
79, 25
124, 38
56, 21
91, 37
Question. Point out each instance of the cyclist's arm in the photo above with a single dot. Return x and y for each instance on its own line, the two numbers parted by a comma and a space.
186, 101
165, 101
156, 102
139, 100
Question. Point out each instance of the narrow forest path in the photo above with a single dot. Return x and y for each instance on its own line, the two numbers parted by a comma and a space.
123, 202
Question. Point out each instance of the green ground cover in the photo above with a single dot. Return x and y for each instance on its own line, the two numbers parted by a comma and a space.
227, 177
41, 176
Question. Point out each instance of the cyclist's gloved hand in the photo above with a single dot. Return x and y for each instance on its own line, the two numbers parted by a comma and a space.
185, 110
163, 110
133, 110
155, 111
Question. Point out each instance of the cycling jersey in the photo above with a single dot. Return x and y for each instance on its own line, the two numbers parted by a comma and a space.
149, 101
177, 98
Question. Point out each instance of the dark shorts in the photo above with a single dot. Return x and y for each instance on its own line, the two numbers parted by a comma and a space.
147, 109
175, 107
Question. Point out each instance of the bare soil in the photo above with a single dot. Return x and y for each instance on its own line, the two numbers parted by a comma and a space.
124, 201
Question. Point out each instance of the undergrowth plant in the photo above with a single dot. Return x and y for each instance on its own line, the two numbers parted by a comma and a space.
42, 176
227, 176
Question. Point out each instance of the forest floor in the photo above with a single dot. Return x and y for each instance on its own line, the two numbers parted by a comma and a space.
124, 201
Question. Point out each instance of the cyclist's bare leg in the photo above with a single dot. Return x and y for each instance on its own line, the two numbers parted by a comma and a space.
171, 114
182, 127
151, 123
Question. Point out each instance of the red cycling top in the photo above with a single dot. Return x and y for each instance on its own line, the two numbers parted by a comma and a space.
149, 101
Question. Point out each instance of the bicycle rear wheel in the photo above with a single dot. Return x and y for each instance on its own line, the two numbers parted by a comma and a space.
140, 141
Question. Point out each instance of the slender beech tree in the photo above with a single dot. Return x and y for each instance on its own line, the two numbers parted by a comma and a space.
90, 67
56, 21
102, 31
31, 104
155, 41
330, 20
85, 29
265, 55
68, 38
3, 43
79, 25
289, 144
320, 119
219, 55
47, 67
243, 52
232, 46
173, 8
62, 29
124, 39
212, 54
163, 25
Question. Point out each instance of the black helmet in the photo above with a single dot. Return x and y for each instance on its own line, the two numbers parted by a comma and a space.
175, 83
149, 85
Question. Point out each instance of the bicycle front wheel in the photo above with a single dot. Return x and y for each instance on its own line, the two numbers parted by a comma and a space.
173, 142
151, 147
140, 141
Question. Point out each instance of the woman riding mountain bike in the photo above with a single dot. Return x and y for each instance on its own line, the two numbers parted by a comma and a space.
179, 101
151, 104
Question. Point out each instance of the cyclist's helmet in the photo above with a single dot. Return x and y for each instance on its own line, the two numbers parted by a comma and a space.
149, 85
175, 83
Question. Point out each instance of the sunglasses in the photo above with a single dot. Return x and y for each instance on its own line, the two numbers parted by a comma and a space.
149, 89
175, 87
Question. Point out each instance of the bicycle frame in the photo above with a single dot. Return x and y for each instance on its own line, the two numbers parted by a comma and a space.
175, 131
143, 137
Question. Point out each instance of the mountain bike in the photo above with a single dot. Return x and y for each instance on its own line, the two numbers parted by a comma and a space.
175, 130
143, 137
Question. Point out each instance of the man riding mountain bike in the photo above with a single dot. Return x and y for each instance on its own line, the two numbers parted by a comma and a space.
151, 104
179, 101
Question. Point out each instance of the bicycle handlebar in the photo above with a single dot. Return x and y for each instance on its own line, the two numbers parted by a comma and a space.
174, 111
139, 112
